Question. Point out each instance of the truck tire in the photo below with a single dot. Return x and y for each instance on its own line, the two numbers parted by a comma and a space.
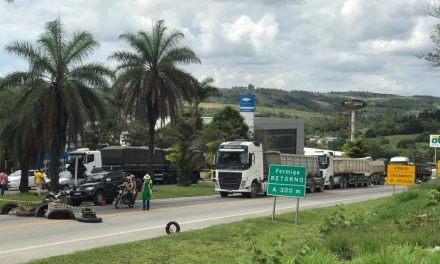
331, 184
312, 187
175, 229
41, 210
321, 186
224, 194
254, 190
7, 207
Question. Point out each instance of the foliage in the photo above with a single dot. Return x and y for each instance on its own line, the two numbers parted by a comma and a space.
58, 80
337, 220
229, 124
183, 157
356, 148
150, 78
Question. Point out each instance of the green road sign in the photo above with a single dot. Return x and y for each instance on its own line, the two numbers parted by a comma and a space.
286, 180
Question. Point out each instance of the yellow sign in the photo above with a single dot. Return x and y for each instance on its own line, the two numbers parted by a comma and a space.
404, 175
438, 167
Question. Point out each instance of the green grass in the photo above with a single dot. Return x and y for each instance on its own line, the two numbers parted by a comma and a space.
388, 230
203, 188
173, 191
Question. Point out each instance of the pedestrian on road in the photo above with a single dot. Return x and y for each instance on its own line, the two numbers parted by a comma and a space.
146, 192
3, 181
38, 179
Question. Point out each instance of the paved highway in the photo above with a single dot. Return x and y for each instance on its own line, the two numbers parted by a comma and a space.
23, 239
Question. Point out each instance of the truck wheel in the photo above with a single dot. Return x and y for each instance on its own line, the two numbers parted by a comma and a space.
224, 194
345, 184
98, 198
331, 184
254, 190
312, 187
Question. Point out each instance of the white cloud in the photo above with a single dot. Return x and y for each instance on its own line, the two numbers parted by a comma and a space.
318, 45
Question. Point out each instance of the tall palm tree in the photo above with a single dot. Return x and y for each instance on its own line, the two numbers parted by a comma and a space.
154, 85
60, 83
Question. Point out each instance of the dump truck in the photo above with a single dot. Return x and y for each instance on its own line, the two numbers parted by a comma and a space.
134, 160
243, 167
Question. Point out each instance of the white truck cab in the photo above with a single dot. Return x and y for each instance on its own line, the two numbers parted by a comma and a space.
239, 168
89, 158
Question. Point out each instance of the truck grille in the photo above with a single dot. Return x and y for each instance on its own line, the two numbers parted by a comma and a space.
229, 180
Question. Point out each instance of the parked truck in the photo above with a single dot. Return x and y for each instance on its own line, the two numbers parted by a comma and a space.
242, 167
423, 169
134, 160
343, 172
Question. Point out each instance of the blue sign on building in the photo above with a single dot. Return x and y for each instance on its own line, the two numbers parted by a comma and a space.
247, 103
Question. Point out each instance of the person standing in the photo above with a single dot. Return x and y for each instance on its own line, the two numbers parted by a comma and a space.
38, 179
3, 182
146, 192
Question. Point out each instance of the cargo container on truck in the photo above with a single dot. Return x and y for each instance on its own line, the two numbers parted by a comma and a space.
134, 160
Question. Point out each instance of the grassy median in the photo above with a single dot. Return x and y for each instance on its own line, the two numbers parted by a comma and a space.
203, 188
403, 228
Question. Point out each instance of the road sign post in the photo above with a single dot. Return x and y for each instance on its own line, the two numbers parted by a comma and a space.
289, 181
402, 175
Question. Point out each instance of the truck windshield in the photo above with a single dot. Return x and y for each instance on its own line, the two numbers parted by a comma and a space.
323, 162
233, 158
72, 158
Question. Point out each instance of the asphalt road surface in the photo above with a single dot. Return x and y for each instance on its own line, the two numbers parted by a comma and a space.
27, 238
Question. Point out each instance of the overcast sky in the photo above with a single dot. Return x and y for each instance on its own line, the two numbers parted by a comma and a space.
312, 45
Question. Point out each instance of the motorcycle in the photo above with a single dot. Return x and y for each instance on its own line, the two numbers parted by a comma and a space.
124, 197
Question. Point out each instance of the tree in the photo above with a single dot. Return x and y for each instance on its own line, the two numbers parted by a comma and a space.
230, 124
60, 81
183, 157
205, 89
356, 148
152, 82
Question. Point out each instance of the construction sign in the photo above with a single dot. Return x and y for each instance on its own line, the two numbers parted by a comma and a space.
403, 175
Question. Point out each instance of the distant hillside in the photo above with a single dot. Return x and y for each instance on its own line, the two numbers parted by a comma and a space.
327, 102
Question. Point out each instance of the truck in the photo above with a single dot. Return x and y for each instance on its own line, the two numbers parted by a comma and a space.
423, 169
243, 167
343, 172
134, 160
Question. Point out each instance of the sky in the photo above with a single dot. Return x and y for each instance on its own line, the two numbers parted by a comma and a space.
311, 45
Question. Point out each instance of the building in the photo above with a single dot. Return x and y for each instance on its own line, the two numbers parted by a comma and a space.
285, 134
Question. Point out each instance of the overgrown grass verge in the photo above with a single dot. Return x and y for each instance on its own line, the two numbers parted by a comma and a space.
403, 228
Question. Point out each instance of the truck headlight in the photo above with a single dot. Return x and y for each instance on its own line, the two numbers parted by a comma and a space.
89, 188
243, 184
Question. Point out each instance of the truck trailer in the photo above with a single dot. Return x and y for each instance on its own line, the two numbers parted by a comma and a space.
134, 160
243, 167
343, 172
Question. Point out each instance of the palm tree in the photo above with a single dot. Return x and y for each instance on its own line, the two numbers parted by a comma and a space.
153, 84
205, 89
60, 83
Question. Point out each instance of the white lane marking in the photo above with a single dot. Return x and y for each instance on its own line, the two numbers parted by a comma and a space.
184, 223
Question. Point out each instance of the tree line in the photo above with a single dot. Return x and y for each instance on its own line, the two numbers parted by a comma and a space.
61, 96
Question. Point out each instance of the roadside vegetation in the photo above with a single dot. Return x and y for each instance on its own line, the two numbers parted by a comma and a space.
403, 228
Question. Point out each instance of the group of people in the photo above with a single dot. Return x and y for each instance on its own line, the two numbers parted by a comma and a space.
38, 179
130, 186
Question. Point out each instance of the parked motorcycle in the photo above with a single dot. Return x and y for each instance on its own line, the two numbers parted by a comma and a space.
124, 197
